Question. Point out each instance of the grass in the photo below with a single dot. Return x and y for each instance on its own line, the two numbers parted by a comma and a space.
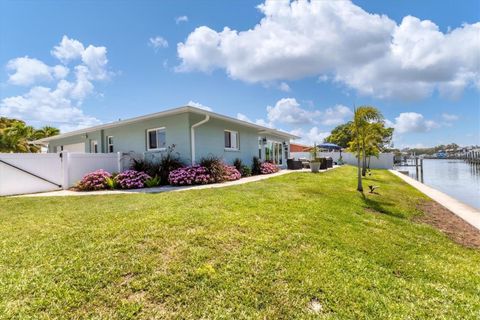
261, 250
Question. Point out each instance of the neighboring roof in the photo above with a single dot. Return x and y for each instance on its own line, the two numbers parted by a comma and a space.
179, 110
295, 147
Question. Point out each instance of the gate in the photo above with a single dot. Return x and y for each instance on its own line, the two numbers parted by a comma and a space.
29, 173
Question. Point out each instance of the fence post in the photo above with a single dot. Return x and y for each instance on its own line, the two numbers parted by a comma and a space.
65, 164
119, 162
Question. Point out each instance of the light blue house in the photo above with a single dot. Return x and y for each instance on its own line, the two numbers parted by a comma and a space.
195, 132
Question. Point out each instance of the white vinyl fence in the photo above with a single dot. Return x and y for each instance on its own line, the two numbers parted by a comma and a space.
384, 161
29, 172
76, 165
22, 173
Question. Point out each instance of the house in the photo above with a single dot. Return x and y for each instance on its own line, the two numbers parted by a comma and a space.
195, 132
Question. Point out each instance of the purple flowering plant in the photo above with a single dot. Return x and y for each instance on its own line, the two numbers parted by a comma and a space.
96, 180
189, 175
267, 167
131, 179
231, 173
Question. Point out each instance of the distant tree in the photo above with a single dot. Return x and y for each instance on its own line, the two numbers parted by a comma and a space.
341, 135
46, 132
17, 136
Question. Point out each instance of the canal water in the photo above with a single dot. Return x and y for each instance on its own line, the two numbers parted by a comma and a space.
456, 178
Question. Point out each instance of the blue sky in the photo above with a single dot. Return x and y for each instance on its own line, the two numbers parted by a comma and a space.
301, 69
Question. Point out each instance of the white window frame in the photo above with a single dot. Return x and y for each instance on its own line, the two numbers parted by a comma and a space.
148, 139
237, 140
110, 144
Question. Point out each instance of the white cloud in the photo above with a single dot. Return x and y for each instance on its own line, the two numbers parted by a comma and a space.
198, 105
288, 111
157, 43
449, 117
241, 116
260, 122
313, 136
284, 87
27, 71
181, 19
45, 105
95, 59
59, 105
370, 53
336, 115
408, 122
68, 50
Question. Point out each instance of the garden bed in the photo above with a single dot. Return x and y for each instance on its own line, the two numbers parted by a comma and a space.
169, 170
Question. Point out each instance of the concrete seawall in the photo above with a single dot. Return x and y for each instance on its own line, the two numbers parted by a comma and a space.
464, 211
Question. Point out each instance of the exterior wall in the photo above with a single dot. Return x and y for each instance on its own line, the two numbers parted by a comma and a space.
52, 145
209, 140
133, 137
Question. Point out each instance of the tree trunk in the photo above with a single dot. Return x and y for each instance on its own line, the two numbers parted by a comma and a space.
364, 157
359, 170
368, 165
359, 185
364, 164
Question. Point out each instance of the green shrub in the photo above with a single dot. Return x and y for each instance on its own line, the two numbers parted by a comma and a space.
215, 168
256, 169
152, 182
246, 171
238, 164
112, 183
150, 167
162, 167
168, 162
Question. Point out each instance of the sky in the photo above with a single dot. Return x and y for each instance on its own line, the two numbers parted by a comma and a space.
297, 66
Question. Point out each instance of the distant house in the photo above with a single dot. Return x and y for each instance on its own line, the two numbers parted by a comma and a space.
195, 132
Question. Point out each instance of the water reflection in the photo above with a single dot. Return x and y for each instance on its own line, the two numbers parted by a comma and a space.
457, 178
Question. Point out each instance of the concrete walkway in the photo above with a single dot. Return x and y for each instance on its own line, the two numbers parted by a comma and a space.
466, 212
62, 193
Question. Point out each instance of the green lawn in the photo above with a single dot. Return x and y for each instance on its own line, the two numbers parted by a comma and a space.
261, 250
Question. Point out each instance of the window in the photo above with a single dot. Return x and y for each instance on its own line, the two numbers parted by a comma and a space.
156, 139
232, 140
110, 144
93, 146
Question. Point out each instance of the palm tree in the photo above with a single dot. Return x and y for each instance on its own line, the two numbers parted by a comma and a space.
364, 132
46, 131
16, 136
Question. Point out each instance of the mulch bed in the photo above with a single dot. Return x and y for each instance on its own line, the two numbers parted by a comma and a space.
453, 226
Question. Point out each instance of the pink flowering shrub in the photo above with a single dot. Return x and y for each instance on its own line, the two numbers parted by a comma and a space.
96, 180
131, 179
189, 175
267, 167
231, 173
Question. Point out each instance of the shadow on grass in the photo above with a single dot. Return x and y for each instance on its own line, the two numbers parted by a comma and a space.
381, 206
